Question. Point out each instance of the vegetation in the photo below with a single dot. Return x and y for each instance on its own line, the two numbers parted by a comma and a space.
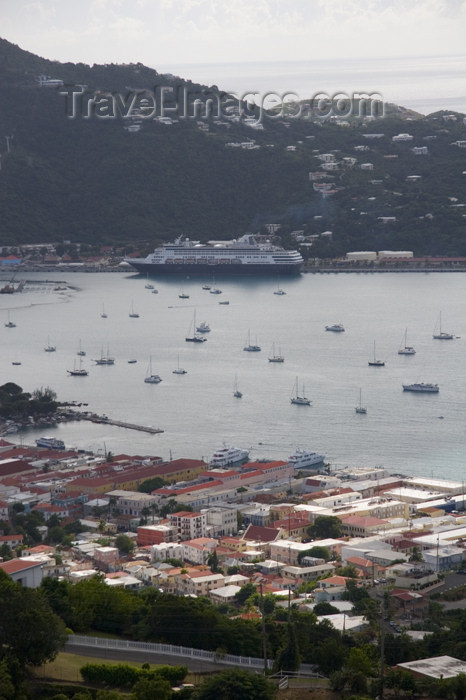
180, 173
15, 403
236, 684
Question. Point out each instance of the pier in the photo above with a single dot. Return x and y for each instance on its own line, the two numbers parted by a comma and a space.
95, 418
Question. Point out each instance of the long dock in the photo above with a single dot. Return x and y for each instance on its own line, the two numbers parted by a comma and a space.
94, 418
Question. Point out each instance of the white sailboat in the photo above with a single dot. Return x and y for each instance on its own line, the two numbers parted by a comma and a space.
406, 349
105, 359
236, 392
442, 335
9, 323
179, 370
81, 352
296, 398
132, 312
374, 362
48, 347
251, 347
195, 337
274, 357
150, 377
182, 295
103, 314
279, 291
148, 284
360, 408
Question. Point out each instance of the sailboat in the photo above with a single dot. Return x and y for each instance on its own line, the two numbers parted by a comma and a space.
273, 357
374, 362
195, 337
406, 349
132, 312
9, 323
251, 348
103, 314
442, 335
236, 392
360, 408
182, 295
297, 399
152, 378
48, 347
16, 361
148, 284
279, 291
105, 359
180, 370
214, 289
81, 352
78, 372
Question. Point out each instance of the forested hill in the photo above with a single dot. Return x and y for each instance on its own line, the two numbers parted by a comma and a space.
96, 176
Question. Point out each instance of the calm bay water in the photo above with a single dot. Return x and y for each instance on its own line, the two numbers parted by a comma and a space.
197, 411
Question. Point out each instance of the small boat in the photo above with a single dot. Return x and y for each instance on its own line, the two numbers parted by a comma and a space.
360, 408
16, 362
81, 352
236, 392
194, 338
48, 347
301, 459
442, 335
406, 349
132, 312
179, 370
374, 362
148, 285
182, 295
51, 443
155, 291
103, 314
224, 303
296, 398
206, 286
215, 290
151, 378
273, 357
78, 371
132, 362
9, 323
251, 348
336, 328
203, 327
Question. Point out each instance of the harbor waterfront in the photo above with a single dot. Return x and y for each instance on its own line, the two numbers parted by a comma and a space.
401, 431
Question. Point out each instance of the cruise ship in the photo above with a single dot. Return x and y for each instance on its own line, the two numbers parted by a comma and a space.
51, 443
302, 459
422, 388
238, 257
228, 456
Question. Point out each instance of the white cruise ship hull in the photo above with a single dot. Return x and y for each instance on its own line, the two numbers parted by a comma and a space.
229, 268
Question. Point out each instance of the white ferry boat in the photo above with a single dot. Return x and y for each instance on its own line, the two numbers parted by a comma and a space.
422, 388
302, 459
228, 456
51, 443
243, 256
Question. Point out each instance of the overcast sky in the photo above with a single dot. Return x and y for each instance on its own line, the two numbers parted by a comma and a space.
164, 32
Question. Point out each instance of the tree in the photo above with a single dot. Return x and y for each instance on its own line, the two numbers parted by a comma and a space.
151, 689
237, 684
124, 543
29, 632
317, 552
325, 527
244, 593
288, 658
416, 555
212, 561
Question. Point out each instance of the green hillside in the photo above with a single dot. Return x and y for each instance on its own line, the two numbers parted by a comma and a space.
91, 180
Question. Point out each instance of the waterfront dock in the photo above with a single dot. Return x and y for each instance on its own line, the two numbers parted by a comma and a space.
94, 418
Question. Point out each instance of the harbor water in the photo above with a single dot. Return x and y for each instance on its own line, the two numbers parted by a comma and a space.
419, 434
